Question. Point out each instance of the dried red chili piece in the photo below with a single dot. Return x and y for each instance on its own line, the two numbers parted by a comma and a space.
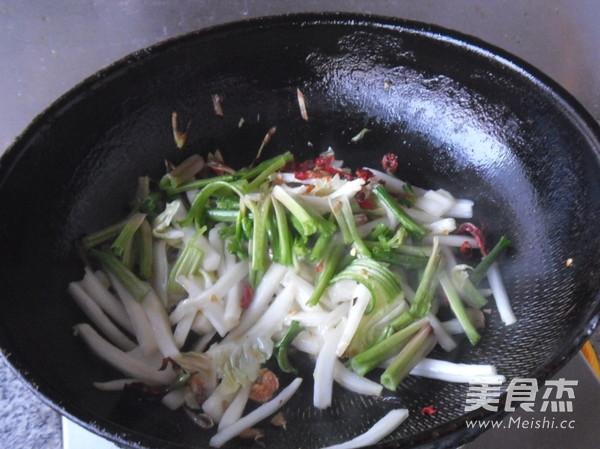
390, 162
335, 171
477, 233
365, 174
324, 161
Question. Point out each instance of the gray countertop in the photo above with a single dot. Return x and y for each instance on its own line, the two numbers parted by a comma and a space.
48, 47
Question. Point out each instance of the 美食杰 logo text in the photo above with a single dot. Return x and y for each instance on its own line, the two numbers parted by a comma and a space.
556, 399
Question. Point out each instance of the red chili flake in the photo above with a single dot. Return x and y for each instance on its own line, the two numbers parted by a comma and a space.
324, 161
466, 250
319, 267
302, 175
246, 295
362, 200
334, 171
470, 228
429, 410
390, 162
364, 173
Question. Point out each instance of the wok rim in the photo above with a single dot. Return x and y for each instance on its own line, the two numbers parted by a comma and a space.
560, 96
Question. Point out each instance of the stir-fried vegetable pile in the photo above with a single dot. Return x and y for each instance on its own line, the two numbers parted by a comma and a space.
217, 271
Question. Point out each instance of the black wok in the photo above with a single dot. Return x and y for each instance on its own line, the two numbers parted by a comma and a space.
460, 114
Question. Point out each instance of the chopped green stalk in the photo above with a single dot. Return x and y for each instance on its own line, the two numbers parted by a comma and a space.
404, 260
413, 250
283, 231
409, 197
307, 222
273, 236
265, 169
300, 248
259, 250
342, 224
329, 267
227, 202
146, 201
409, 250
296, 225
426, 289
200, 204
415, 351
185, 171
103, 236
398, 238
250, 173
145, 250
188, 263
247, 226
143, 190
482, 268
387, 331
134, 285
199, 184
402, 321
241, 226
125, 237
233, 243
282, 347
342, 212
320, 246
458, 308
326, 226
388, 202
373, 357
223, 215
380, 231
152, 205
130, 253
468, 291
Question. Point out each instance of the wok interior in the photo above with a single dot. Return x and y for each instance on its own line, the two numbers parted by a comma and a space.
458, 117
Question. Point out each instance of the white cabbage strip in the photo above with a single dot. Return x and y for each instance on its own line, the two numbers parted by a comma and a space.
379, 431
